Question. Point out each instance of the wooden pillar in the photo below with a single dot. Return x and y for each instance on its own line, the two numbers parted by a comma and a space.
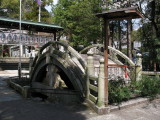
2, 51
106, 44
54, 36
129, 42
119, 35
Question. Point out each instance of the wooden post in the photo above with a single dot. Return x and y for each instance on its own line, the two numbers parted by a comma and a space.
106, 44
54, 36
129, 42
2, 51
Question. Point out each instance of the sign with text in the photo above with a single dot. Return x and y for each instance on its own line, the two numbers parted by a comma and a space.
12, 38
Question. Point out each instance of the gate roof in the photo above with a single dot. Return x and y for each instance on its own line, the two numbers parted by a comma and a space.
29, 25
121, 14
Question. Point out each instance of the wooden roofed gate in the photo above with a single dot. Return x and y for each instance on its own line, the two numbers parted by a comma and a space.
33, 36
101, 103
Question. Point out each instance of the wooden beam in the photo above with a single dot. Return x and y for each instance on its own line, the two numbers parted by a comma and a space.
106, 44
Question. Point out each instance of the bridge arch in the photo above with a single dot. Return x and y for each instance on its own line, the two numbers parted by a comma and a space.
116, 56
65, 64
112, 56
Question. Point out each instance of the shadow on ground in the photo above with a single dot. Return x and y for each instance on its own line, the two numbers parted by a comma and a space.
32, 110
17, 108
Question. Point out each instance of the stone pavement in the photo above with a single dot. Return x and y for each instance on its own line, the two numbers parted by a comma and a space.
14, 107
150, 111
6, 93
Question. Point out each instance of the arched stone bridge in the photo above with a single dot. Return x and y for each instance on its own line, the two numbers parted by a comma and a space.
57, 61
58, 66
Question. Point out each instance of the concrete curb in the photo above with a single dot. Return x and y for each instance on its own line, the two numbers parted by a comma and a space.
129, 103
123, 105
23, 90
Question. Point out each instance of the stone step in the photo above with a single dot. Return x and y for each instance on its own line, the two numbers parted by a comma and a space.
13, 66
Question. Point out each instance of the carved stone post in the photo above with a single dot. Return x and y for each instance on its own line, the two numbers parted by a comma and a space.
90, 63
101, 83
90, 70
30, 65
139, 67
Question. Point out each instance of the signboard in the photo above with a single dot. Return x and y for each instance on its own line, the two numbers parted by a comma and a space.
30, 40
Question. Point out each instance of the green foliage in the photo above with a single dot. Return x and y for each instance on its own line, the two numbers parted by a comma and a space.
149, 33
150, 86
30, 9
9, 8
118, 92
78, 18
135, 88
137, 35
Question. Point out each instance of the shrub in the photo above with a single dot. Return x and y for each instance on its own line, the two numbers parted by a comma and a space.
150, 86
118, 92
135, 88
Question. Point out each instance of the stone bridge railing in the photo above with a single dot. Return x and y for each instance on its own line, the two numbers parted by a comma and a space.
66, 49
133, 69
152, 73
95, 84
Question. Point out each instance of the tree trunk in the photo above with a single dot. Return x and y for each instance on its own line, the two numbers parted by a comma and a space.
153, 15
112, 35
119, 36
129, 43
155, 67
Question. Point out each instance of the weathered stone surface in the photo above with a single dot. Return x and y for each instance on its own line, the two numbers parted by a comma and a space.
53, 63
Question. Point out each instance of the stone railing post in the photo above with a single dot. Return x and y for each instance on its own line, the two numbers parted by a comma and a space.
90, 63
30, 63
139, 67
90, 70
101, 83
